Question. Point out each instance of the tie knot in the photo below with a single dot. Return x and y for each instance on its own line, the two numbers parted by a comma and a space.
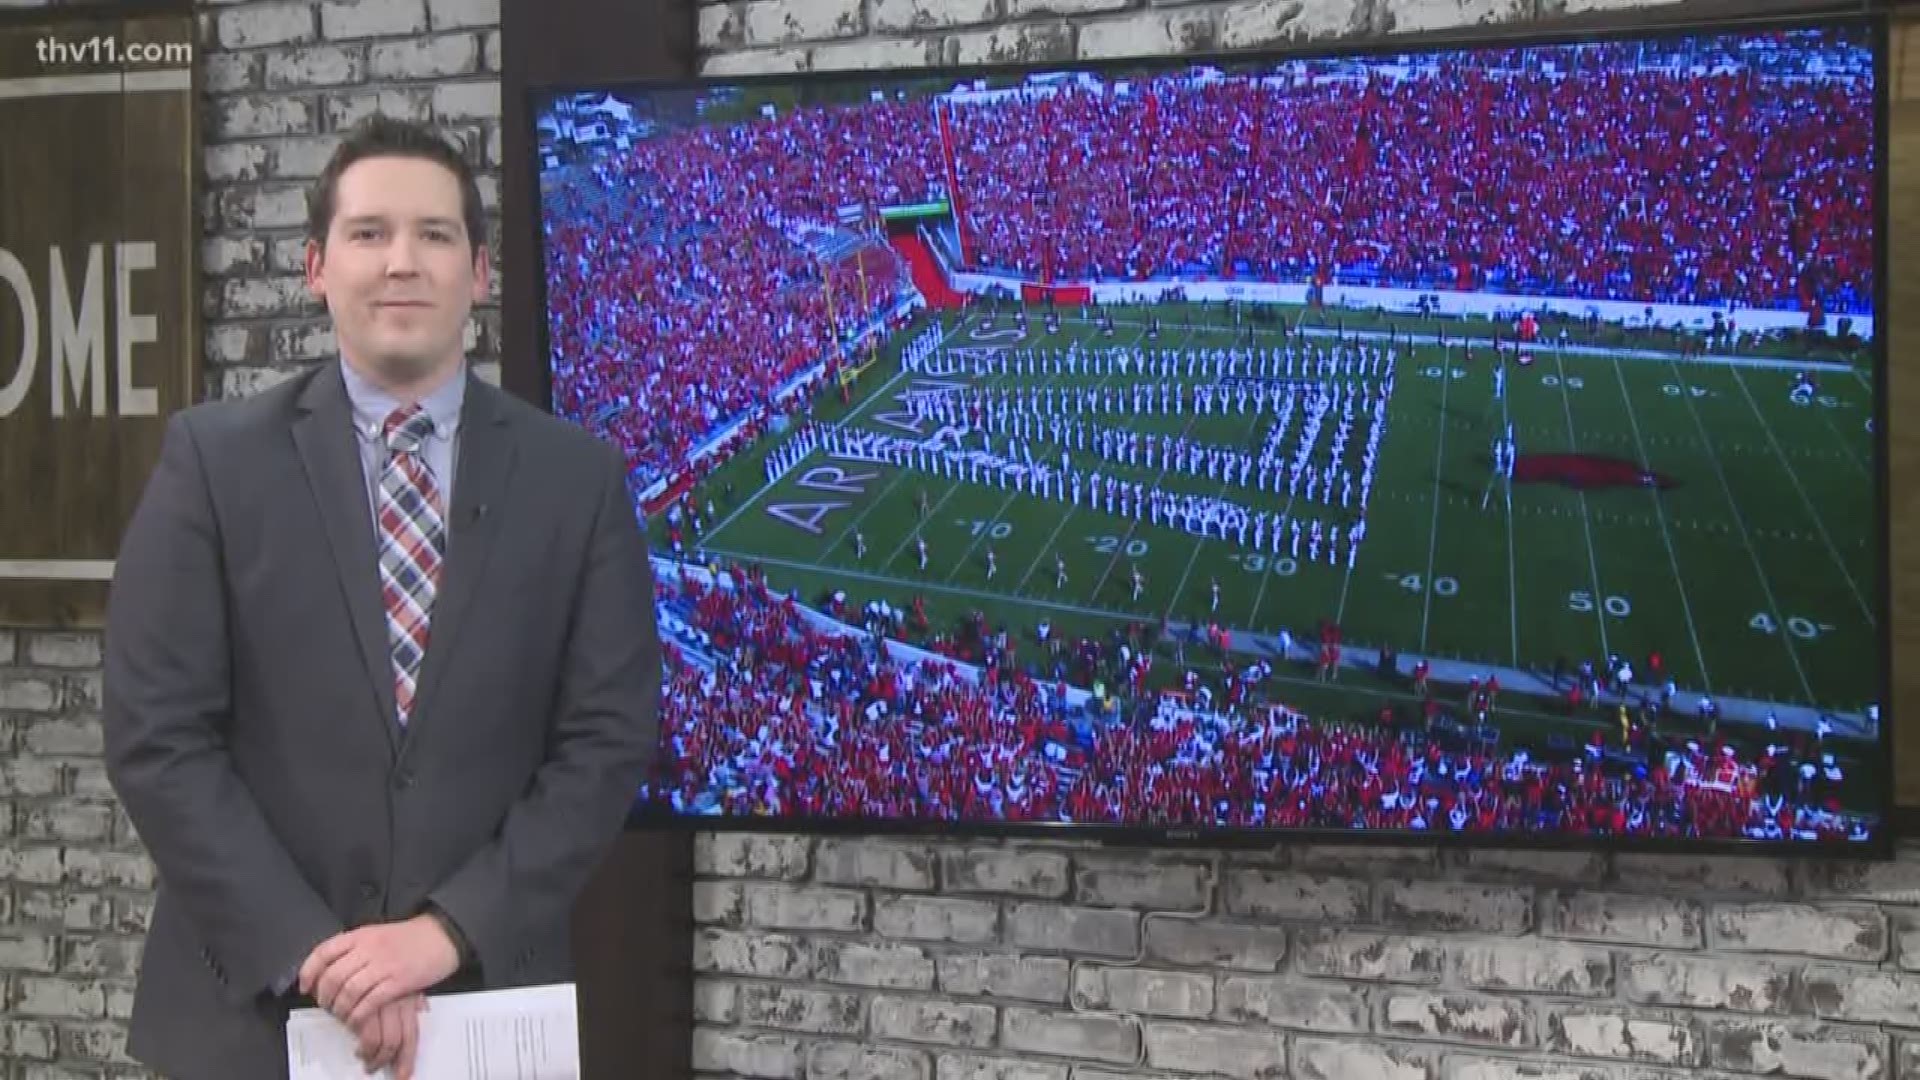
407, 428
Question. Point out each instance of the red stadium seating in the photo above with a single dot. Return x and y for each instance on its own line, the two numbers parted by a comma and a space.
683, 291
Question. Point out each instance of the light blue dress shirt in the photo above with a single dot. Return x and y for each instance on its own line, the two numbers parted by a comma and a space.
372, 406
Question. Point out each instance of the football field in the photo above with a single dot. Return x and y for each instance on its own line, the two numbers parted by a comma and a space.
1683, 506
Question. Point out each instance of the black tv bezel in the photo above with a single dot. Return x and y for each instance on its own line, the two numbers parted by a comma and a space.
1876, 23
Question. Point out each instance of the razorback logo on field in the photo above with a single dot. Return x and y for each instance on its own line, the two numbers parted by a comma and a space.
1586, 471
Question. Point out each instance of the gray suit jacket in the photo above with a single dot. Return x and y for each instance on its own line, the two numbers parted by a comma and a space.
249, 707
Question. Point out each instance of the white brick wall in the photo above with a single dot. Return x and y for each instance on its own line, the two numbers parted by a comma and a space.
273, 23
349, 19
951, 960
1064, 960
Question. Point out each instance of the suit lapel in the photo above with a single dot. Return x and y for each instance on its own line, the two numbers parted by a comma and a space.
323, 431
480, 476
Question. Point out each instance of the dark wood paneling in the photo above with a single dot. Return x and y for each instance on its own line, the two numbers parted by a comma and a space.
633, 960
633, 928
1903, 399
85, 173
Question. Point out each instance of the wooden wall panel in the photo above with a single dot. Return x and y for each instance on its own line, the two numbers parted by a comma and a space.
1903, 399
99, 231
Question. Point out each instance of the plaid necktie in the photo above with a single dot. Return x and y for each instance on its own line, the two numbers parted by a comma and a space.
412, 538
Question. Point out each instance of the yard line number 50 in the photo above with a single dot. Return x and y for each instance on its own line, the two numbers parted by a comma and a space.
1617, 606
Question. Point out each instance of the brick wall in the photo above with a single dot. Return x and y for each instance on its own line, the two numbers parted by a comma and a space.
838, 959
859, 960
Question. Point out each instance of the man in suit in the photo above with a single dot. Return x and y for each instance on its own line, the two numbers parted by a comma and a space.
382, 670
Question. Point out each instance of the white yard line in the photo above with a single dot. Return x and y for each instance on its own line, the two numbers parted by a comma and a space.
1051, 537
1629, 354
1433, 528
1673, 560
1267, 575
926, 586
1134, 525
986, 529
1593, 563
1187, 575
1077, 609
1346, 579
1812, 512
1846, 448
1513, 588
915, 531
985, 383
741, 509
953, 485
901, 472
1779, 621
1071, 509
1199, 541
847, 419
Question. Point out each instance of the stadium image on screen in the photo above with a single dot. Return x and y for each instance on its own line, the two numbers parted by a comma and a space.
1461, 442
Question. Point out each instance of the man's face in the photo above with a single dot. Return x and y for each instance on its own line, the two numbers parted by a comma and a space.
399, 273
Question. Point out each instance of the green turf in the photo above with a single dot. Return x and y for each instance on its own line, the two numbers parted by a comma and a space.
1754, 576
1781, 345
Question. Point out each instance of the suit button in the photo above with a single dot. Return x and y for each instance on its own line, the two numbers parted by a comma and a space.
403, 779
369, 891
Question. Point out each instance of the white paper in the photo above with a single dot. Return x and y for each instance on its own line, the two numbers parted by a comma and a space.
523, 1033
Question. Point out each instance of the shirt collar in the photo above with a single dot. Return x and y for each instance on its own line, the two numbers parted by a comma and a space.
372, 405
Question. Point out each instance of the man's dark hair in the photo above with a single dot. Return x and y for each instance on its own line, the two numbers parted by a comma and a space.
380, 135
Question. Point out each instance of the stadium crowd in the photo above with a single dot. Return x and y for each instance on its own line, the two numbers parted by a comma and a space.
769, 712
686, 275
699, 273
1596, 184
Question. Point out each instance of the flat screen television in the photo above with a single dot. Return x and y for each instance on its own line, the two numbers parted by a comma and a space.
1476, 443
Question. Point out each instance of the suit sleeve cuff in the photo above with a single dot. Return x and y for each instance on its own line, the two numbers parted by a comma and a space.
461, 944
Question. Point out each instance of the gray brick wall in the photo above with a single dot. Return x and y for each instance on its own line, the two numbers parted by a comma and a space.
904, 959
284, 77
838, 959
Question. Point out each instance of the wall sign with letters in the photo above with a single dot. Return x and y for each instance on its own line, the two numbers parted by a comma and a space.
99, 292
